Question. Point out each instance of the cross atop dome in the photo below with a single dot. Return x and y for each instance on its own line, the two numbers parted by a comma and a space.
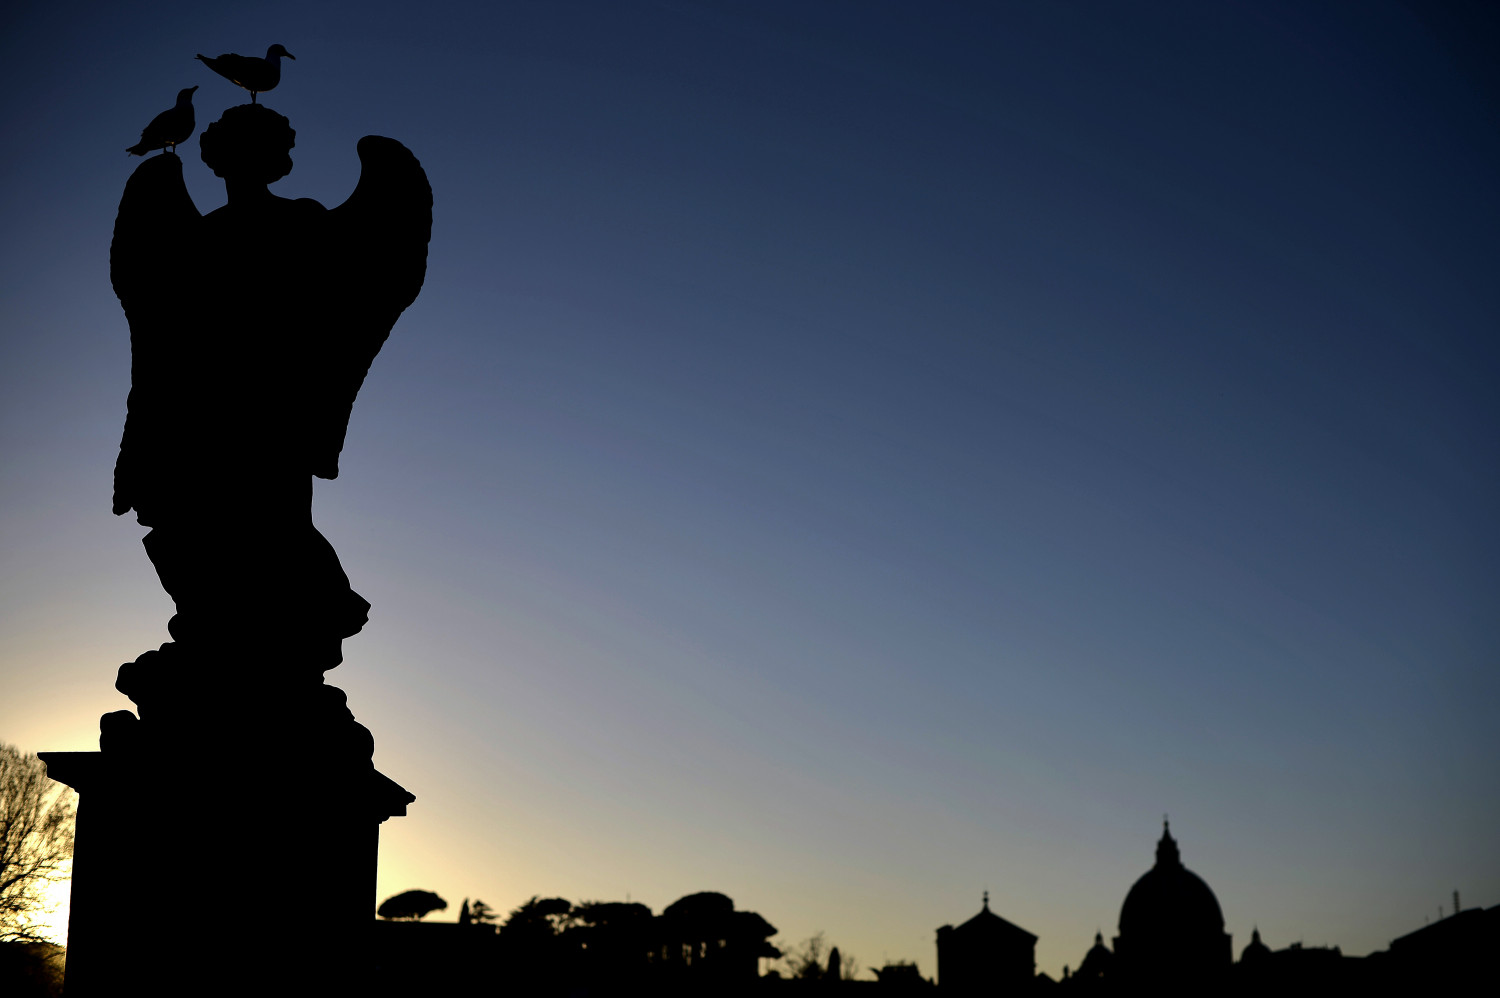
1166, 849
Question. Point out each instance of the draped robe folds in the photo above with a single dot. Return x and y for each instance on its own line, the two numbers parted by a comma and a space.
252, 329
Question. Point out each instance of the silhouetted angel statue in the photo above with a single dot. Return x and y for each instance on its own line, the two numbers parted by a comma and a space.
252, 329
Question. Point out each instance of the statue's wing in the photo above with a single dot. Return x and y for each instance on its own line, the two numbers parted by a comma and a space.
151, 232
150, 264
377, 253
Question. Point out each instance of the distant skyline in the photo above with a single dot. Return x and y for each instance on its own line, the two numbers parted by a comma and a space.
850, 456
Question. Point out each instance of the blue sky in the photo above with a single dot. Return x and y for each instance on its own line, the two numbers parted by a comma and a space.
851, 455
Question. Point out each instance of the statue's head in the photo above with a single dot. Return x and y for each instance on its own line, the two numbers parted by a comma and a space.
250, 142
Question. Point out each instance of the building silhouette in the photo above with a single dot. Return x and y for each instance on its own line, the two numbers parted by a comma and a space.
703, 943
985, 956
1450, 955
1171, 941
1095, 972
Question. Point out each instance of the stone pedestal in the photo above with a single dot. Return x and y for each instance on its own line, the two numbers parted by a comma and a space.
197, 876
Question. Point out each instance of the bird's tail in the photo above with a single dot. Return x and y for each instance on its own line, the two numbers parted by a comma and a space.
201, 56
139, 149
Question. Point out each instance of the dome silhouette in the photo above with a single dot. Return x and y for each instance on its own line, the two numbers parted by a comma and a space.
1256, 950
1172, 934
1170, 898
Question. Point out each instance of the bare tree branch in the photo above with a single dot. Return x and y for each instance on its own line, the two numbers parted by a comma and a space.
36, 842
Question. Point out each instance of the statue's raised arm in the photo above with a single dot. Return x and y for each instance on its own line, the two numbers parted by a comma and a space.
377, 245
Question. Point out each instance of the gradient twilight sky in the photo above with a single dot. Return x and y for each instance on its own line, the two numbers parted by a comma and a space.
850, 455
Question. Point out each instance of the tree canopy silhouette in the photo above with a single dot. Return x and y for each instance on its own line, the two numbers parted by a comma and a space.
412, 905
36, 841
538, 918
812, 959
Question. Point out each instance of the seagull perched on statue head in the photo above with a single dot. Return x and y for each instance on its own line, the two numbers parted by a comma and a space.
170, 127
255, 75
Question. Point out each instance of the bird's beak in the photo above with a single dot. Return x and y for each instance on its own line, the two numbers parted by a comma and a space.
290, 56
192, 88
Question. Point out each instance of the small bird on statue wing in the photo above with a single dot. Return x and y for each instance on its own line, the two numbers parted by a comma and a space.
255, 75
170, 127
